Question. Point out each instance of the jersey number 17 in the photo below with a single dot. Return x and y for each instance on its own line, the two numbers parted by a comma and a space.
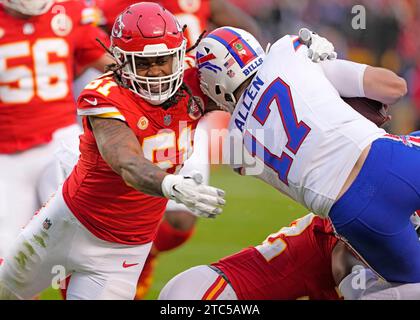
296, 131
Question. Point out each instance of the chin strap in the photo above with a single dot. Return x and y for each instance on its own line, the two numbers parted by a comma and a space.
267, 48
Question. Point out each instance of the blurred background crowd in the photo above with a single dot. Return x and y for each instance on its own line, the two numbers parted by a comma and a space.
390, 38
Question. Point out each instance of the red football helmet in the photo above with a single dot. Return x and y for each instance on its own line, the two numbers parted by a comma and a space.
146, 29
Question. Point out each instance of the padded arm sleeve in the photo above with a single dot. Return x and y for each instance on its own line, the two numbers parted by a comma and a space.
346, 76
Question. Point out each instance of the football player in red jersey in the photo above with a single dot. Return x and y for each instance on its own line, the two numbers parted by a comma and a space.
40, 41
303, 261
138, 129
293, 263
178, 224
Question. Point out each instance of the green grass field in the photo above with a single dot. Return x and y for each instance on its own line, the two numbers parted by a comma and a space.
253, 210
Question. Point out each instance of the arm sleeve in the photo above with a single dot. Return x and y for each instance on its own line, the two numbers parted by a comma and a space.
346, 76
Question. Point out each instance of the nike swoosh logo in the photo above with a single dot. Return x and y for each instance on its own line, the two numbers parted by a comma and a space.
92, 102
128, 265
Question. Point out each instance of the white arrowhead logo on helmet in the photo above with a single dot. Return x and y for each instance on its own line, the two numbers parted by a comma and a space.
118, 27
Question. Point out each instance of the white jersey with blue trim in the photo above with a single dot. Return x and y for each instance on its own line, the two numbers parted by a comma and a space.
296, 133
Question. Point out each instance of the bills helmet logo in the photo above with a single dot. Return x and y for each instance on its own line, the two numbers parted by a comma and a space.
203, 61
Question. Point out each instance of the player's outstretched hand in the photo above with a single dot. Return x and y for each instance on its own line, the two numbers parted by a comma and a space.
320, 48
202, 200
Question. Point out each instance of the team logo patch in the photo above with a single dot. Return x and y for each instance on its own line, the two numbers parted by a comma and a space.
46, 224
118, 27
239, 46
61, 24
204, 62
230, 73
143, 123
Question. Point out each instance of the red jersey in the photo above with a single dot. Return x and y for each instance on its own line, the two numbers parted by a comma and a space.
37, 57
97, 196
291, 264
194, 13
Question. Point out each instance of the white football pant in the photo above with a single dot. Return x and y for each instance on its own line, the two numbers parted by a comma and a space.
54, 245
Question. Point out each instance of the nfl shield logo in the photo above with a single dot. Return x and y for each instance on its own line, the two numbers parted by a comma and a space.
46, 224
167, 120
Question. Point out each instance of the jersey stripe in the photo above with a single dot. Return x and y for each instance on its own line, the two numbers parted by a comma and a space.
215, 289
297, 44
111, 115
407, 140
108, 112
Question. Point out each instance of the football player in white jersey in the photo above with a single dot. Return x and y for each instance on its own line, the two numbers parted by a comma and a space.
296, 133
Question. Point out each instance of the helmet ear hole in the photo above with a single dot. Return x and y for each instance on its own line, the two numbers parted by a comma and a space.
217, 89
228, 97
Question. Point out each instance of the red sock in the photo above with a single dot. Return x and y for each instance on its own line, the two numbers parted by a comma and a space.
168, 237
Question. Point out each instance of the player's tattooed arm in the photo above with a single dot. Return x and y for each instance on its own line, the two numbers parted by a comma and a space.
120, 148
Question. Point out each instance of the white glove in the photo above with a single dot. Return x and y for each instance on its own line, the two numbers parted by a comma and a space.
202, 200
320, 48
